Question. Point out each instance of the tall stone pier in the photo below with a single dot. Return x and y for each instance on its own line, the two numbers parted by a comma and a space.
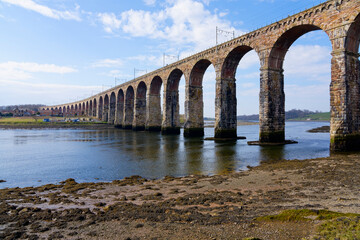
153, 113
225, 108
171, 118
345, 102
272, 106
153, 106
194, 116
140, 108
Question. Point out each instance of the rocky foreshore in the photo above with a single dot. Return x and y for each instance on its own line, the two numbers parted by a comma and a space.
242, 205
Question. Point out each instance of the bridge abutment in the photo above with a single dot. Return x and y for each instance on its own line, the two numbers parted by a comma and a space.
225, 108
153, 113
272, 106
194, 114
345, 102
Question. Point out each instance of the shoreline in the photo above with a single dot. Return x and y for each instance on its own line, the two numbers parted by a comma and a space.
191, 207
57, 126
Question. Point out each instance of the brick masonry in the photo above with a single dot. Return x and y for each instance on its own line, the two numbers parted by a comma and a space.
137, 109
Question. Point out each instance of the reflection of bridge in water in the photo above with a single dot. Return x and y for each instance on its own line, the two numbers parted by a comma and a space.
136, 104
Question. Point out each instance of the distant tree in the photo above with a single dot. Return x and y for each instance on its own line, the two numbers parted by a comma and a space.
35, 117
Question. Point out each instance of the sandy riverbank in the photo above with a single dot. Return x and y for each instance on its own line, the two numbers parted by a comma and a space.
193, 207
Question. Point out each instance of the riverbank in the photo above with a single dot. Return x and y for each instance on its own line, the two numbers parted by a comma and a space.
51, 123
57, 125
193, 207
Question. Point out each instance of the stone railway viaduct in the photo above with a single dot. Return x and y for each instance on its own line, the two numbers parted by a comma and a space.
136, 104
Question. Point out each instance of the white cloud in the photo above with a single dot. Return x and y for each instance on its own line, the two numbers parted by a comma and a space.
49, 94
143, 23
109, 21
36, 67
108, 63
207, 2
252, 75
150, 2
151, 60
23, 70
308, 62
248, 85
250, 59
119, 75
313, 97
46, 11
181, 22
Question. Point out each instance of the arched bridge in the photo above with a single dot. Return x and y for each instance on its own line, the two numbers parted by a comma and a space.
136, 104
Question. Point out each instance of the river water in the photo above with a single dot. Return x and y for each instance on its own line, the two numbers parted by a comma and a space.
37, 157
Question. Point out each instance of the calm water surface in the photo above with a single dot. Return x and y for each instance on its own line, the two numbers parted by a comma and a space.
37, 157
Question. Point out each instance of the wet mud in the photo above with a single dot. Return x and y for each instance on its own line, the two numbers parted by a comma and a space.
231, 206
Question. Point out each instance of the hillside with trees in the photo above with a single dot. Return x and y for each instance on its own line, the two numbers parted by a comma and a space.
294, 115
29, 107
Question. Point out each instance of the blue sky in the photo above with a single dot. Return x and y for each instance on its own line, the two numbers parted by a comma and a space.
58, 51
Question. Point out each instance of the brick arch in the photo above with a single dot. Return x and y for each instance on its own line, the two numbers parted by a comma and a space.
231, 62
129, 108
155, 85
106, 99
174, 79
353, 36
141, 90
87, 110
284, 42
198, 71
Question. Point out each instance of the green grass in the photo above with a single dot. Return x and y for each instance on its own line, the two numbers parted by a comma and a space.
305, 215
20, 120
37, 120
334, 225
314, 117
344, 228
